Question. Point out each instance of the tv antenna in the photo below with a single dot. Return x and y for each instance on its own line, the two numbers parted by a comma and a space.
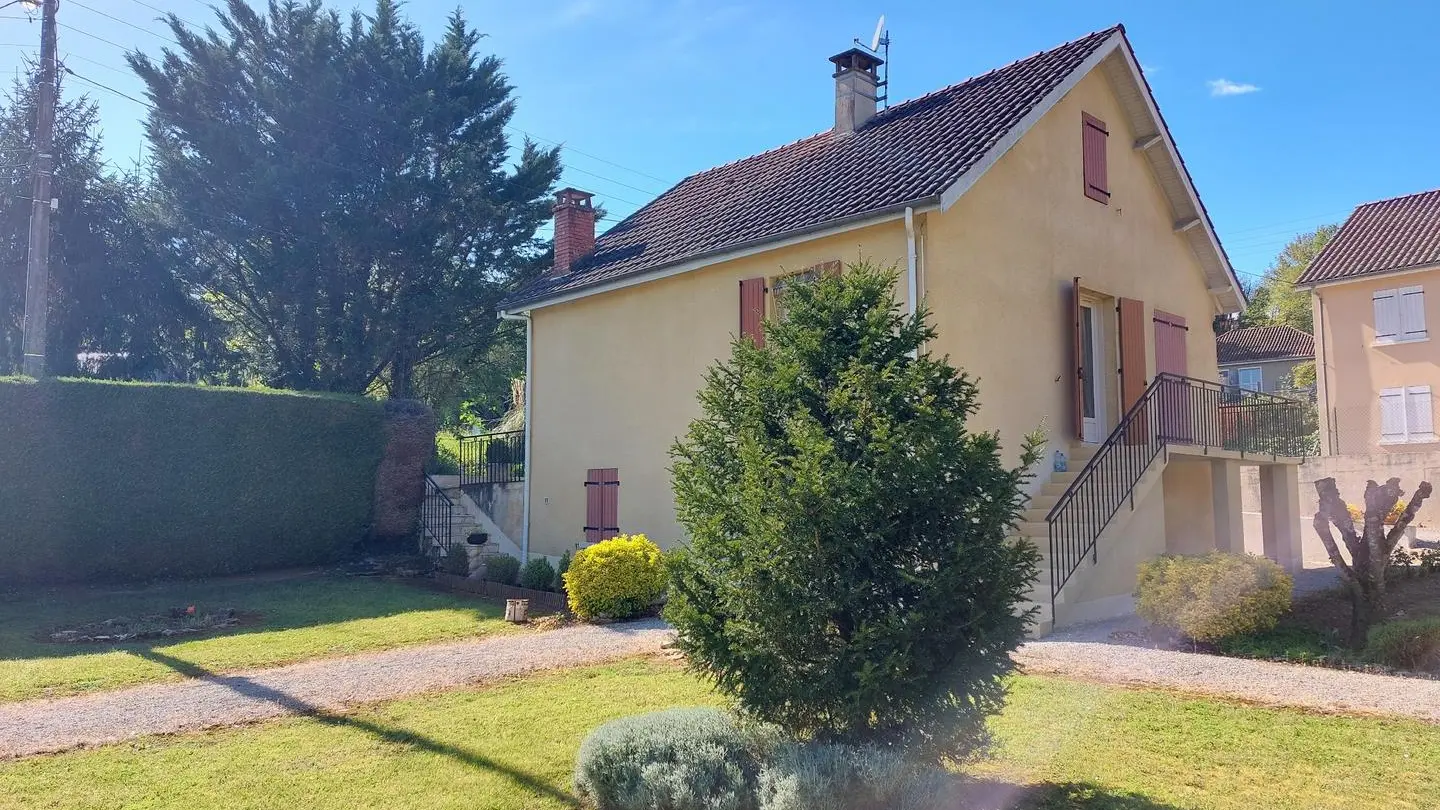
880, 46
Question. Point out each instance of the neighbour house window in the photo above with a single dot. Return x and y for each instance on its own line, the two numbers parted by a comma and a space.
602, 504
1250, 379
1400, 315
1406, 415
1093, 138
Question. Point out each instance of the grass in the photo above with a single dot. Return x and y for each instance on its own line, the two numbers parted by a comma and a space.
511, 747
301, 619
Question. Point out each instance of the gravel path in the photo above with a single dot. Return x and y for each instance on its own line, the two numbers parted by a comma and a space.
41, 726
1315, 688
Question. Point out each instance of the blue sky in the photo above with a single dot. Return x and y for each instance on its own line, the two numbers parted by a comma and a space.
1288, 114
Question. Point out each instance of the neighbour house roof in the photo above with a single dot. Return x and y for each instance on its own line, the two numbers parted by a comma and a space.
1260, 343
1395, 234
922, 152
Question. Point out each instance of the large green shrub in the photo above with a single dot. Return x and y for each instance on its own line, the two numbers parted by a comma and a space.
849, 575
1412, 644
1212, 596
699, 759
124, 481
619, 578
681, 759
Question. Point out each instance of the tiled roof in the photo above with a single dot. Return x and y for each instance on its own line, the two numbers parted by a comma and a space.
1390, 234
1259, 343
906, 154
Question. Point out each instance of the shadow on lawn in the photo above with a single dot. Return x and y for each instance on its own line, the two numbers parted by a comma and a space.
997, 795
283, 605
256, 691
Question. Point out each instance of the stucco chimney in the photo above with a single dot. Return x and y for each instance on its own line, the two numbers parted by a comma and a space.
574, 228
856, 83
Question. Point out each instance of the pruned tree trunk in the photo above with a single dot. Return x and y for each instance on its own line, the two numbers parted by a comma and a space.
1369, 548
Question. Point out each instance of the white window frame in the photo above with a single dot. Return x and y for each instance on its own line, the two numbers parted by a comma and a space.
1411, 429
1259, 378
1399, 315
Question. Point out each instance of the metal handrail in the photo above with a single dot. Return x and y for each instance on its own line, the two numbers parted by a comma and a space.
437, 517
493, 458
1173, 410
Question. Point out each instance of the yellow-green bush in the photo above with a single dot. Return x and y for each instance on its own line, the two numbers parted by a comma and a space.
619, 578
1212, 596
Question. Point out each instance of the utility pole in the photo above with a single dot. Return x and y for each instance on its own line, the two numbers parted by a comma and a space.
37, 265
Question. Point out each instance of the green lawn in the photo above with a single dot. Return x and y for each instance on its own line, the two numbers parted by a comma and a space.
306, 618
510, 747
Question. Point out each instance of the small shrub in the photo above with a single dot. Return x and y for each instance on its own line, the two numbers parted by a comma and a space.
1213, 596
1412, 644
841, 777
538, 574
456, 561
502, 568
1299, 644
619, 578
498, 453
680, 759
1357, 513
446, 460
560, 569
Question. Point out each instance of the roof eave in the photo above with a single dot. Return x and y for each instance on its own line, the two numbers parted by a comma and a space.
740, 250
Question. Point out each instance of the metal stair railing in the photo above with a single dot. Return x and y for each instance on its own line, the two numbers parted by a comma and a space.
1174, 410
437, 517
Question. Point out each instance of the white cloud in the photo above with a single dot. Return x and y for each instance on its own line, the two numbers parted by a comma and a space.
1225, 87
576, 11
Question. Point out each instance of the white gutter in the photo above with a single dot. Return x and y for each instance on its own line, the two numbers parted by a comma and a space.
529, 468
912, 281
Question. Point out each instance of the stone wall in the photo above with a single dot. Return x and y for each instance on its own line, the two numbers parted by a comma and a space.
400, 482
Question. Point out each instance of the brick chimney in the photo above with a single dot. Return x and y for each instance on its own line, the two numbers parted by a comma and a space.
856, 83
574, 228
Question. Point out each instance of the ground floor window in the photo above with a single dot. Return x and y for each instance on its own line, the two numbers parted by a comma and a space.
1406, 415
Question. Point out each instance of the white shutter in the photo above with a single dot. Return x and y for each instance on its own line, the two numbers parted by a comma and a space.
1392, 415
1419, 418
1387, 315
1412, 313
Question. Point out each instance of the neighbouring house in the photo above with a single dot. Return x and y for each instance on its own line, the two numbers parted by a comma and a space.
1374, 290
1263, 358
1042, 212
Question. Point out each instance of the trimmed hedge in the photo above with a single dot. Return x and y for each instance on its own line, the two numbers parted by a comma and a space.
107, 481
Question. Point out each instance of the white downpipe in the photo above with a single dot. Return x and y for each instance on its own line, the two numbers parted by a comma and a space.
529, 468
912, 281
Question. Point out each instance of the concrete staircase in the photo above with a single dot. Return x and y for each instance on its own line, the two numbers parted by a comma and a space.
466, 519
1034, 528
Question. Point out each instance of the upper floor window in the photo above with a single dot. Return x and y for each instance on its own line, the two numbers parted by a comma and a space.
780, 283
1400, 315
1094, 136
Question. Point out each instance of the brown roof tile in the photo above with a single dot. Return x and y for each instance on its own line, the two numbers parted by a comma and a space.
905, 154
1258, 343
1392, 234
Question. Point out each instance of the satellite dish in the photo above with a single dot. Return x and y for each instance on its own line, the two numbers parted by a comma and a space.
879, 29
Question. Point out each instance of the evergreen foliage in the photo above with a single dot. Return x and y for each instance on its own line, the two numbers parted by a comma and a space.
848, 575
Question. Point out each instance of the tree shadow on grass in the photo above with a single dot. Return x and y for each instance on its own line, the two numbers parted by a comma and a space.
988, 794
257, 691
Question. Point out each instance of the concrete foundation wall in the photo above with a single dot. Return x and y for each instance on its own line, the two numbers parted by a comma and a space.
1350, 473
505, 505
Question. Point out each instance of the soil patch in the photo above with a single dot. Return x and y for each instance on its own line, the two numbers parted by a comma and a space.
178, 621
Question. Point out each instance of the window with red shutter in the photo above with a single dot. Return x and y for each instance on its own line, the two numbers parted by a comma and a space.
1094, 136
752, 309
602, 504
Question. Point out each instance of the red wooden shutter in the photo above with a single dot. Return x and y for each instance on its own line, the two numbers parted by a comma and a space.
1077, 354
1094, 136
602, 504
1170, 358
752, 309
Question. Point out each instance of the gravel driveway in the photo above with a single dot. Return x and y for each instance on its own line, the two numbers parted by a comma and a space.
41, 726
1080, 654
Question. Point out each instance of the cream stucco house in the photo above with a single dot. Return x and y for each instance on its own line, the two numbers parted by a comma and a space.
1042, 211
1374, 290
